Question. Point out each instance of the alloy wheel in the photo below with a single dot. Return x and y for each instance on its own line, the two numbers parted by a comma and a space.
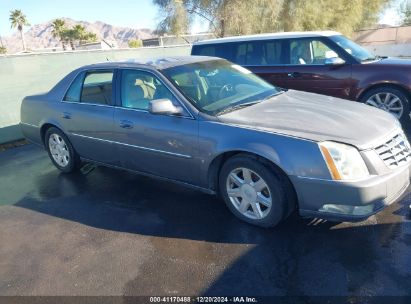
388, 102
59, 150
249, 193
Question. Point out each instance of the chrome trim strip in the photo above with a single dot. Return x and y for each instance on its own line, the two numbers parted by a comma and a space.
133, 146
123, 108
87, 104
341, 181
318, 179
191, 116
27, 124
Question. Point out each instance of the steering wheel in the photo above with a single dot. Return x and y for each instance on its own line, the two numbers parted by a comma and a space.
226, 91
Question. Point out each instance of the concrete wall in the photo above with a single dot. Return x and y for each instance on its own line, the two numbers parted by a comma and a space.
389, 41
23, 75
390, 50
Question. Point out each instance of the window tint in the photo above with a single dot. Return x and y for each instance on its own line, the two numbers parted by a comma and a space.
206, 51
73, 93
272, 52
264, 52
138, 88
222, 50
258, 52
241, 50
97, 87
307, 51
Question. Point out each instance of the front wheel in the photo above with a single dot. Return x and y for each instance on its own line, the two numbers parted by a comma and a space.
390, 100
254, 192
61, 151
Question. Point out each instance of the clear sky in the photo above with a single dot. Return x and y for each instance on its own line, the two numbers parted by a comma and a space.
129, 13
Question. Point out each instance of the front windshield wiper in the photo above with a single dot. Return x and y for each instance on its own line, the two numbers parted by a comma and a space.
236, 107
275, 94
372, 58
246, 104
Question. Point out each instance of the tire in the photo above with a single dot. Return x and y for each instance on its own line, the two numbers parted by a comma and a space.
386, 96
252, 191
63, 155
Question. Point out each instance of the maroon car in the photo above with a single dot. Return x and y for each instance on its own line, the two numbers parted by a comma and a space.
320, 62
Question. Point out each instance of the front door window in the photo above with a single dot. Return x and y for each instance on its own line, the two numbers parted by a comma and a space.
139, 88
308, 51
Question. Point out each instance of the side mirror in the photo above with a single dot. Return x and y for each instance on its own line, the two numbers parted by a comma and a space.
334, 61
163, 106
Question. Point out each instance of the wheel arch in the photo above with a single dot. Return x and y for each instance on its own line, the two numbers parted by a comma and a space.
217, 163
374, 86
44, 127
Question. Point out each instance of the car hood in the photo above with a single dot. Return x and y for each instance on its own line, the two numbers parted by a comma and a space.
393, 61
316, 117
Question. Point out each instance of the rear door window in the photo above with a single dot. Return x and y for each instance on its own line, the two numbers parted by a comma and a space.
258, 53
240, 51
272, 52
97, 88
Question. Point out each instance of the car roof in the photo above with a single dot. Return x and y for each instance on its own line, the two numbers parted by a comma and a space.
157, 63
282, 35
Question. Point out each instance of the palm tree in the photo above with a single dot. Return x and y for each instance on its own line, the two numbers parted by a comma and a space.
59, 26
80, 33
18, 20
68, 36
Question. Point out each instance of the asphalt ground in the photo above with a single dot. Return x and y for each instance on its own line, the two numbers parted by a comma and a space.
109, 232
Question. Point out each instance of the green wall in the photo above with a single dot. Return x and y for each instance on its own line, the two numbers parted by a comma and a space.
22, 75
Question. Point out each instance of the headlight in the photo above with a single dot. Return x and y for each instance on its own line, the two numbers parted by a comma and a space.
343, 161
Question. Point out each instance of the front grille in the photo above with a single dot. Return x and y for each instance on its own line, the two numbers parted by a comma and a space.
395, 152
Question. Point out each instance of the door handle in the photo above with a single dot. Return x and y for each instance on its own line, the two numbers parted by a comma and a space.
294, 74
66, 115
126, 124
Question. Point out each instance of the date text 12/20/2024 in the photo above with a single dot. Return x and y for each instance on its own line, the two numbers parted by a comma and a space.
203, 300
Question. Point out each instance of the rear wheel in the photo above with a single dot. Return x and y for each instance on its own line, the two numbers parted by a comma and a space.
254, 192
390, 100
61, 151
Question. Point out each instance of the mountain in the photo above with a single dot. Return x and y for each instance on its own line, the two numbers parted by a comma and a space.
39, 36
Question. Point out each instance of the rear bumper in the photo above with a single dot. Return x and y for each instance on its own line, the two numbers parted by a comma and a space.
350, 201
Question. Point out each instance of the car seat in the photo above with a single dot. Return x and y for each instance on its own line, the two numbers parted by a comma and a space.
133, 95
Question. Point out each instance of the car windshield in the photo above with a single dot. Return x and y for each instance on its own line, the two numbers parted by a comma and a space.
353, 49
218, 86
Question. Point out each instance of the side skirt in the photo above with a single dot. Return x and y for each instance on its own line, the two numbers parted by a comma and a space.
184, 184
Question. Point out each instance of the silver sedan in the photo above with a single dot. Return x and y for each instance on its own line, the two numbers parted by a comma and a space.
213, 125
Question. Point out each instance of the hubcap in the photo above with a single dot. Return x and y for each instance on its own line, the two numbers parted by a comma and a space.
388, 102
59, 150
249, 193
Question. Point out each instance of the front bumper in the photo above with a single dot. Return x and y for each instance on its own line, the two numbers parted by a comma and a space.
370, 195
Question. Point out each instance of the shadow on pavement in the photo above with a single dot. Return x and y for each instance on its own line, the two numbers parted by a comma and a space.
299, 257
119, 201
